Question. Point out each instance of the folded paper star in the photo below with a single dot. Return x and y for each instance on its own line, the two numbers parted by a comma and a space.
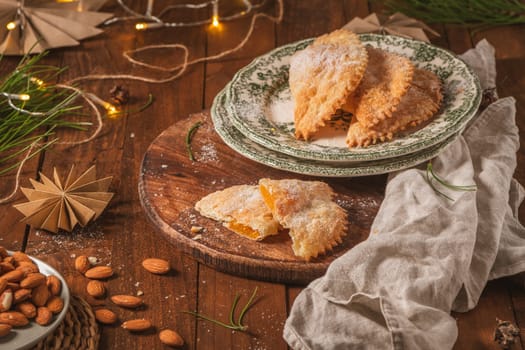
54, 205
396, 24
33, 26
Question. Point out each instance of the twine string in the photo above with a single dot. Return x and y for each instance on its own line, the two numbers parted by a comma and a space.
177, 71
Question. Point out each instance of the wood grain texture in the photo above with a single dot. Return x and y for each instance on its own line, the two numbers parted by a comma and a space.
123, 235
170, 184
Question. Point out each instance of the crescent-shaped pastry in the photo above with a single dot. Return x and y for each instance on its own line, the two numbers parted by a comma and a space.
316, 223
386, 80
322, 76
242, 210
420, 103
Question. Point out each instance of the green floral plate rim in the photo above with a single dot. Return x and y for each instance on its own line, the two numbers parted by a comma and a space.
254, 151
259, 103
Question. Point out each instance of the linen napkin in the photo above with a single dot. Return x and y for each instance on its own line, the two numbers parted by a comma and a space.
426, 255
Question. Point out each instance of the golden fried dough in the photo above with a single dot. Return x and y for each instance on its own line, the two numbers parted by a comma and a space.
241, 209
387, 78
315, 222
419, 104
322, 76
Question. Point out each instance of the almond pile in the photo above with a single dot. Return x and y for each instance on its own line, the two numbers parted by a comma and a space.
97, 289
25, 293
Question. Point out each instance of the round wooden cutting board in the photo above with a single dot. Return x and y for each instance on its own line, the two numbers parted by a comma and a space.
170, 184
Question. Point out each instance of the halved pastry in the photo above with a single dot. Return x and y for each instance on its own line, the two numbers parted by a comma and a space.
419, 104
386, 80
322, 76
315, 222
241, 209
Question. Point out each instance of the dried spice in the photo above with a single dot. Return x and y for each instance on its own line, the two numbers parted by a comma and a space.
505, 333
119, 95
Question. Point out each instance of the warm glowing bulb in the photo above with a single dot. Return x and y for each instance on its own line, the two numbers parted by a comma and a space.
110, 109
24, 97
215, 21
141, 26
37, 81
144, 25
11, 26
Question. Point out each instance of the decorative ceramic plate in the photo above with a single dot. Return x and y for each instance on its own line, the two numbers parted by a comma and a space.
261, 107
252, 150
28, 336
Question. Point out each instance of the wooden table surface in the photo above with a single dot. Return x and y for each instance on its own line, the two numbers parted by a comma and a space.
123, 236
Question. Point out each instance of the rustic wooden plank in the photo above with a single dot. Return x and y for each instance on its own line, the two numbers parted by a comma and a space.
510, 82
265, 318
476, 327
122, 236
306, 19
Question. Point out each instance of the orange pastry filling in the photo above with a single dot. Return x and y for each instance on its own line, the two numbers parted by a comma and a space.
267, 197
243, 230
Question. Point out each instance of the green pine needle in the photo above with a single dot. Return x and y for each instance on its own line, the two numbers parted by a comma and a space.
472, 13
47, 109
234, 325
431, 176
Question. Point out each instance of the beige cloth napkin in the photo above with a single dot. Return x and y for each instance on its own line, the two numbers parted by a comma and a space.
426, 255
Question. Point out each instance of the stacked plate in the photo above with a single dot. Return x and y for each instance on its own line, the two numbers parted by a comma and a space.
253, 114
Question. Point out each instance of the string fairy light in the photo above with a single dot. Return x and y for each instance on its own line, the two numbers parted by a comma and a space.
150, 21
92, 100
179, 69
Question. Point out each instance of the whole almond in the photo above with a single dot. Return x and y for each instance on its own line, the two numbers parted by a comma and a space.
3, 253
43, 316
99, 272
105, 316
5, 329
171, 338
6, 267
3, 284
13, 286
82, 264
55, 304
129, 301
33, 280
13, 318
156, 266
54, 285
6, 300
14, 276
137, 325
40, 295
20, 256
96, 289
21, 294
27, 267
27, 308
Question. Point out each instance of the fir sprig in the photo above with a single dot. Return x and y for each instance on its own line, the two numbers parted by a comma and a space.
234, 325
33, 121
472, 13
431, 176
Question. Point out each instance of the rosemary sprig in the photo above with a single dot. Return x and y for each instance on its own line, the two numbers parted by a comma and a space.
234, 325
189, 136
470, 12
431, 176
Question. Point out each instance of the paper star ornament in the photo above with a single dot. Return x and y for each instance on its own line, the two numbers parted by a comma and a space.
33, 26
55, 205
396, 24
